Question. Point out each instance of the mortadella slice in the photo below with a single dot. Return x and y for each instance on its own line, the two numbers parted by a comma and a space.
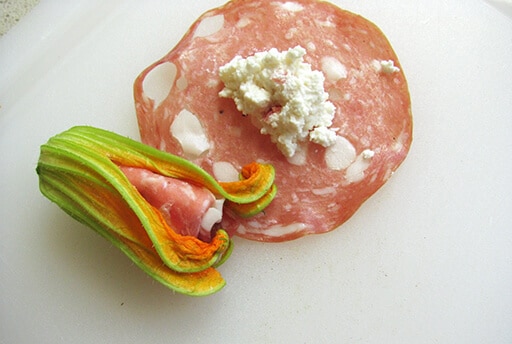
322, 187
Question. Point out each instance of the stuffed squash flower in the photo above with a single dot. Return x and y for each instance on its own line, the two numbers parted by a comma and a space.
157, 208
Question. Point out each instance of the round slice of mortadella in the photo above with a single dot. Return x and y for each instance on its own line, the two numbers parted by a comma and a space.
320, 186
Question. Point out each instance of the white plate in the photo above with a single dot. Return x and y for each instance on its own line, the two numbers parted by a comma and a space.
428, 259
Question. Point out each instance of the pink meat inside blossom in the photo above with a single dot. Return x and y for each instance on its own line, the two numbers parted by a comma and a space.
182, 204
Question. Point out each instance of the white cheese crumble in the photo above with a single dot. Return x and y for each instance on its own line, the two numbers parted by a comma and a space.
368, 154
284, 97
385, 66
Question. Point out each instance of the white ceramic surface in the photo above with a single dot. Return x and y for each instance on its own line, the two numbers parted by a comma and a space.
428, 259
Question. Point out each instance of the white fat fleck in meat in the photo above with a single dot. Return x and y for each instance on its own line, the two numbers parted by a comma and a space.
278, 231
388, 174
182, 83
291, 33
340, 155
289, 6
325, 23
225, 172
243, 22
301, 155
187, 129
333, 69
212, 83
334, 208
159, 81
254, 224
241, 229
355, 172
329, 42
162, 146
189, 192
327, 191
212, 216
398, 145
167, 113
209, 26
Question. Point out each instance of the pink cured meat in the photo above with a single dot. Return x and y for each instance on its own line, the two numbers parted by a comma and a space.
372, 109
182, 204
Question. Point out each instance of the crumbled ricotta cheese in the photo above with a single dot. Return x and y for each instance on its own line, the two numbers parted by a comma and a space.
386, 67
368, 154
284, 97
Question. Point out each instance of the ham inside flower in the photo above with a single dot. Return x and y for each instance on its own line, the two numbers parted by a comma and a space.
189, 209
